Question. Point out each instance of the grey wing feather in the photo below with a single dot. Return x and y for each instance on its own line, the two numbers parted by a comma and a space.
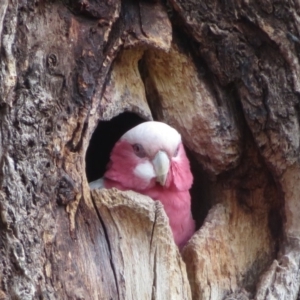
97, 184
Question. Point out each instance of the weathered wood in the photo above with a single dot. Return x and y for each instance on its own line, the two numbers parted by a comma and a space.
251, 48
142, 248
55, 66
240, 235
225, 74
125, 90
182, 98
243, 47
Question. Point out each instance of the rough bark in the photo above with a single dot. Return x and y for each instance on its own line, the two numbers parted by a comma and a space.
252, 48
56, 241
225, 74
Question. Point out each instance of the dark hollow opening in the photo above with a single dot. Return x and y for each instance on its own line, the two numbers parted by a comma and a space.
202, 190
108, 133
103, 139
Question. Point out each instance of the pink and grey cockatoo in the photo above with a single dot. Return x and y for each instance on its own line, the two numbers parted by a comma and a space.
150, 159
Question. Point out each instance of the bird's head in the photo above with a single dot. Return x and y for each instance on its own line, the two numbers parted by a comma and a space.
150, 154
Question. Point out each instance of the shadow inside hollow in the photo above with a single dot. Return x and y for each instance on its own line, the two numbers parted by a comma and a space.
103, 139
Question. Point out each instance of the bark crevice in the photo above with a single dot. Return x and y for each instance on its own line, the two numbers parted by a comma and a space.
111, 260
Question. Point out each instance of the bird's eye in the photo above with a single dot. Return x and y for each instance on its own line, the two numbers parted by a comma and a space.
176, 152
139, 150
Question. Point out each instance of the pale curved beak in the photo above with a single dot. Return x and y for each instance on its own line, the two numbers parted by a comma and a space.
161, 164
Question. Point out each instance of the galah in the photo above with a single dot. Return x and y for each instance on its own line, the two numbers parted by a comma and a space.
150, 159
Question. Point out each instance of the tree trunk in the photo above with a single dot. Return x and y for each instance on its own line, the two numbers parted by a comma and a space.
75, 75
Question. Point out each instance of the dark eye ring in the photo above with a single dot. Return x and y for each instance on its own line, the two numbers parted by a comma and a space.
139, 150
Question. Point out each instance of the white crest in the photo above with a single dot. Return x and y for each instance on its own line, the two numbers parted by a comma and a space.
154, 136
